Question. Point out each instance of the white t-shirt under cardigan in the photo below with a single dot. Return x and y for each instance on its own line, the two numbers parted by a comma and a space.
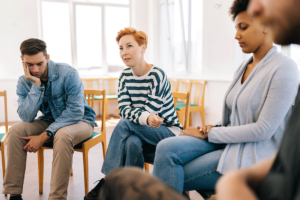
259, 112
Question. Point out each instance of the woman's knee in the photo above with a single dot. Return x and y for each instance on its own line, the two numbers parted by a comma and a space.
168, 146
133, 142
123, 122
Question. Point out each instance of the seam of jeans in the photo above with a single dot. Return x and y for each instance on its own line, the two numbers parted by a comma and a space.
137, 158
121, 155
191, 149
174, 157
200, 175
172, 177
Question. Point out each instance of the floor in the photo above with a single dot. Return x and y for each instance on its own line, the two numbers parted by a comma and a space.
76, 184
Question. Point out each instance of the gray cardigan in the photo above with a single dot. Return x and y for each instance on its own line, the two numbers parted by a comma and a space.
259, 112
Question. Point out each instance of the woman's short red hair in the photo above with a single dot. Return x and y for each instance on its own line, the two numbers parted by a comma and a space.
139, 36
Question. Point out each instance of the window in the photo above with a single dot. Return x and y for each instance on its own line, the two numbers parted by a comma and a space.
82, 33
89, 36
181, 28
295, 54
114, 25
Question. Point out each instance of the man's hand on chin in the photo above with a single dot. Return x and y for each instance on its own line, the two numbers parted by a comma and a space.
27, 74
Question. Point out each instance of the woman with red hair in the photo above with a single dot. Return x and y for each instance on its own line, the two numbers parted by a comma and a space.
146, 107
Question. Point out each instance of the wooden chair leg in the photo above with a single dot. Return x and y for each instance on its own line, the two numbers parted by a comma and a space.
104, 148
40, 154
86, 171
3, 159
146, 165
188, 193
190, 120
72, 171
99, 107
181, 116
107, 111
202, 117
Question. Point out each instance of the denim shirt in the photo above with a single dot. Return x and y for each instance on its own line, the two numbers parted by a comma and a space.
63, 103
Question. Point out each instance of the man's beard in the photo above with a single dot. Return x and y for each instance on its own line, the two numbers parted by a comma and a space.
288, 36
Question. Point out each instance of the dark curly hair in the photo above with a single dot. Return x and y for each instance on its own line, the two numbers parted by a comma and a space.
237, 7
33, 46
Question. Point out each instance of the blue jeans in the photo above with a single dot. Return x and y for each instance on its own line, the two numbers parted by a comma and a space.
125, 145
187, 163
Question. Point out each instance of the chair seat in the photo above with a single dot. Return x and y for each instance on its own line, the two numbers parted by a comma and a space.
78, 146
1, 136
149, 157
100, 97
184, 105
149, 153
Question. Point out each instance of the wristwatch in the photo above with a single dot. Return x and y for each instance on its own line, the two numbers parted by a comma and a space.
49, 133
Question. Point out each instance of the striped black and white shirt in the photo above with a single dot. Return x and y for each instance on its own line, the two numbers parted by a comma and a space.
140, 96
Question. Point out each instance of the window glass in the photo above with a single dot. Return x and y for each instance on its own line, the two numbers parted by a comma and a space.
177, 43
295, 54
116, 19
125, 2
164, 51
89, 36
196, 35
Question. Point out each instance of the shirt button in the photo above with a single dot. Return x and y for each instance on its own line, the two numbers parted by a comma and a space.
54, 110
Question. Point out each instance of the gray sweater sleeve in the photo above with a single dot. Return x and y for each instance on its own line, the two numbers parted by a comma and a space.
281, 95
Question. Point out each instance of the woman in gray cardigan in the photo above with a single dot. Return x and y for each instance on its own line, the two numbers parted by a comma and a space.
256, 107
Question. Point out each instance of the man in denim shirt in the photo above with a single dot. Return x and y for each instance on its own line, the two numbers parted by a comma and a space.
56, 90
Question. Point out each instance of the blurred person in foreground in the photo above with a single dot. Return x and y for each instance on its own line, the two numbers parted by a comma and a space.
276, 178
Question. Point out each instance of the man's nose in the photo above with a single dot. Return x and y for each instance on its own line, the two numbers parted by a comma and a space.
35, 68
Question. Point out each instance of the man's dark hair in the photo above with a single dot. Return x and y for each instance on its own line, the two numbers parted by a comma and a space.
33, 46
237, 7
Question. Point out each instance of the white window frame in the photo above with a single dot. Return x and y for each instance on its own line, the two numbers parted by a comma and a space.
72, 11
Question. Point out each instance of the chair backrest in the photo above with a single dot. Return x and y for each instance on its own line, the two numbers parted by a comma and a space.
199, 91
112, 85
186, 97
89, 97
174, 84
3, 94
183, 85
89, 83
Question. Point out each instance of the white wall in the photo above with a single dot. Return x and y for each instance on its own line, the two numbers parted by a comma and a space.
18, 21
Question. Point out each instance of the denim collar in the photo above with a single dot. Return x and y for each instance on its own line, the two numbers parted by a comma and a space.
52, 71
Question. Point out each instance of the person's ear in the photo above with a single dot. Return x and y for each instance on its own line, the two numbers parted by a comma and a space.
48, 57
144, 48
